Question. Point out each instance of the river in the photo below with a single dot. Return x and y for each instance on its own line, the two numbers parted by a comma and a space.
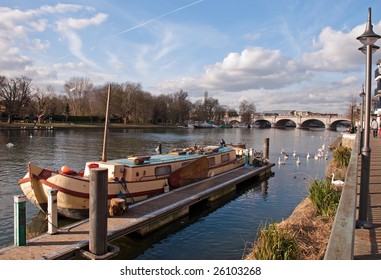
219, 233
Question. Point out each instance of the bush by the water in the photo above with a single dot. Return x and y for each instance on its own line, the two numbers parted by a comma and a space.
341, 156
275, 243
324, 197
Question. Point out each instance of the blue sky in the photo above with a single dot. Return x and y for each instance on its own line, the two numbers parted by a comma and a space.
280, 55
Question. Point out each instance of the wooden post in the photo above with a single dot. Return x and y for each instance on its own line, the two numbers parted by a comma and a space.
266, 148
52, 212
98, 211
19, 220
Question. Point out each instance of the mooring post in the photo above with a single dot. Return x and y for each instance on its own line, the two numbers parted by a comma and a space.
246, 157
98, 211
52, 212
19, 220
266, 148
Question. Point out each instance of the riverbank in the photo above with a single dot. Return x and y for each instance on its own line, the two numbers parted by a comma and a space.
52, 126
312, 231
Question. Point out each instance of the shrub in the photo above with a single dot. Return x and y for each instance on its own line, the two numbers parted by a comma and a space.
275, 243
324, 197
341, 156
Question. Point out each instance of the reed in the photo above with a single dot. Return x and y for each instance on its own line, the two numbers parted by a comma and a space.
341, 156
324, 197
275, 243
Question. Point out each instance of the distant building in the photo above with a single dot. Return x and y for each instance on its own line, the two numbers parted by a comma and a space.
377, 90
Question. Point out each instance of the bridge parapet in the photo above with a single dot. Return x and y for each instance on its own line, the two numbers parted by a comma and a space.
330, 122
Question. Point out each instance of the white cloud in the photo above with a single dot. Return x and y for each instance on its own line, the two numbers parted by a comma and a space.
68, 66
38, 45
66, 28
82, 23
114, 62
253, 68
62, 8
38, 25
336, 50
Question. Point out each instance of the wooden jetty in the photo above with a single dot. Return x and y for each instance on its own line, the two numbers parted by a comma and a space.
143, 217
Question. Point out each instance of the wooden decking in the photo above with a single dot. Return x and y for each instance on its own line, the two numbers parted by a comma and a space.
368, 241
140, 216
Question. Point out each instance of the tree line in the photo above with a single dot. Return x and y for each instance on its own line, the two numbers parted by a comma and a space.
129, 103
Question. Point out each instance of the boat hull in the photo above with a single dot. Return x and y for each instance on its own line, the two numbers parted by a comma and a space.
132, 179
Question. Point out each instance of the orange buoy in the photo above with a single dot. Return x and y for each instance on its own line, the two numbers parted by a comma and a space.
65, 169
93, 165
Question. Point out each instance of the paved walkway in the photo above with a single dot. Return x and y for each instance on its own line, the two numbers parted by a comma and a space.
368, 241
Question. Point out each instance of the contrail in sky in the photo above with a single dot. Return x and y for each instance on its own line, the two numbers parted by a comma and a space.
159, 17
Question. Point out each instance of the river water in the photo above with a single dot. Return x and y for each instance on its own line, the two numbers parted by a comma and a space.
219, 233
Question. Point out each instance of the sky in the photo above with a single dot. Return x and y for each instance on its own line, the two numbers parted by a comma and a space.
279, 55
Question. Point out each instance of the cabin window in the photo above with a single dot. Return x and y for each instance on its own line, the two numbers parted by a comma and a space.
163, 170
211, 161
137, 174
225, 158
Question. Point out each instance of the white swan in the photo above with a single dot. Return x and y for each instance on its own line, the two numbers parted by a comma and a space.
280, 162
294, 154
336, 183
308, 155
10, 145
298, 160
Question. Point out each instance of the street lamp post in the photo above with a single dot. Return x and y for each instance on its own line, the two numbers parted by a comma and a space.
368, 38
362, 95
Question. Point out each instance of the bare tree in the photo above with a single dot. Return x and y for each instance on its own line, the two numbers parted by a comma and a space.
179, 107
15, 94
211, 105
160, 112
76, 90
353, 112
246, 109
124, 99
219, 113
42, 102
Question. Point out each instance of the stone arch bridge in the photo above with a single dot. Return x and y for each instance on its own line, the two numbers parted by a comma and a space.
330, 122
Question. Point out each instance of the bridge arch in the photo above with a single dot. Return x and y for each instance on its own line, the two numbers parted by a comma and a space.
334, 124
262, 123
285, 122
312, 123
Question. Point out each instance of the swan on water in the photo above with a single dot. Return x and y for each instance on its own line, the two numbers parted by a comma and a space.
10, 145
280, 162
308, 155
298, 160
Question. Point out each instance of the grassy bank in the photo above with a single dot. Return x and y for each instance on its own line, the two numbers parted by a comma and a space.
305, 234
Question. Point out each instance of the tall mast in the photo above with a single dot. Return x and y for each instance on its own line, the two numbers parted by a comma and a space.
104, 152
